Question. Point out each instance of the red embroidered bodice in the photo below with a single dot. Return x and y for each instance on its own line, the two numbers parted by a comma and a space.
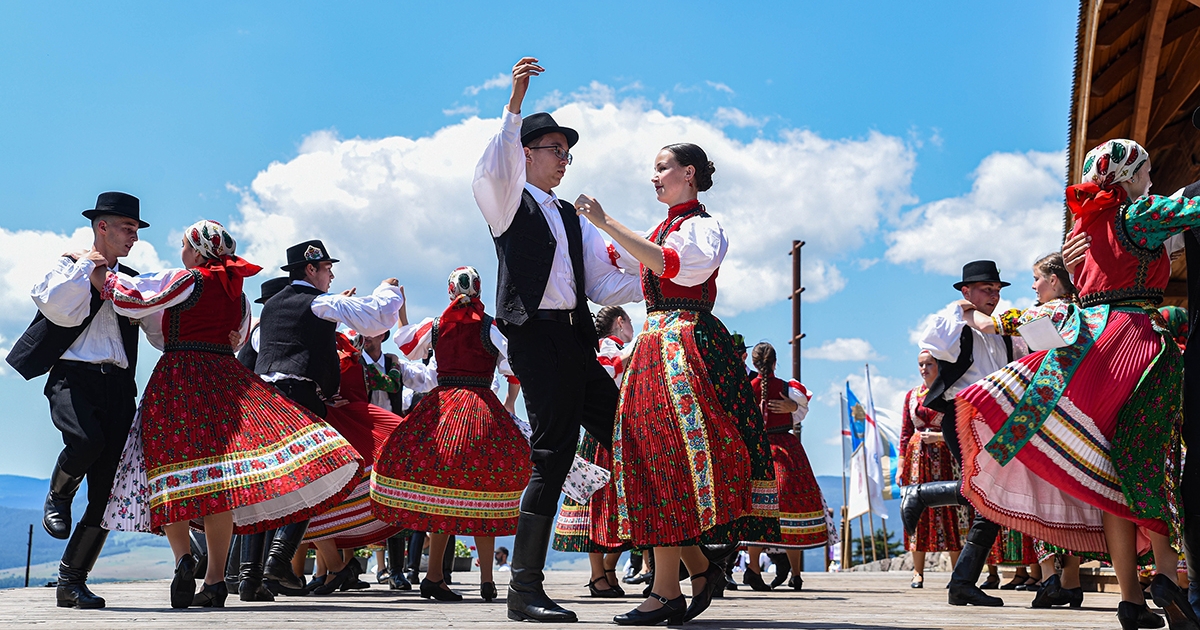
462, 344
918, 417
353, 384
204, 320
1116, 268
776, 389
661, 293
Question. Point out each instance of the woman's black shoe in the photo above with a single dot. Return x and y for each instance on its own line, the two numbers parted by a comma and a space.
397, 582
672, 611
1133, 616
754, 581
183, 587
797, 582
211, 596
317, 582
641, 578
614, 583
335, 581
702, 600
990, 584
487, 590
1169, 597
435, 590
602, 592
1053, 594
1020, 580
780, 578
917, 583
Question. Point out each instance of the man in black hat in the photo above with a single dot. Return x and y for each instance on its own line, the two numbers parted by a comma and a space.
297, 353
551, 262
90, 354
964, 356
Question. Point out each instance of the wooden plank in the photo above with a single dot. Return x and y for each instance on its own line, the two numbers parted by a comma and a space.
1109, 77
860, 600
1120, 23
1160, 10
1182, 88
1183, 24
1108, 119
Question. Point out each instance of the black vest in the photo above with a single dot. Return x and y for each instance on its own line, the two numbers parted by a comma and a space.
525, 252
248, 356
293, 341
44, 342
949, 372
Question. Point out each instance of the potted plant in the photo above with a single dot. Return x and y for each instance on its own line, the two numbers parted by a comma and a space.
462, 556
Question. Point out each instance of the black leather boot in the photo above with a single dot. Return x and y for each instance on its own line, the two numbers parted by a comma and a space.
396, 546
915, 498
527, 600
232, 563
250, 571
78, 559
56, 511
966, 572
279, 560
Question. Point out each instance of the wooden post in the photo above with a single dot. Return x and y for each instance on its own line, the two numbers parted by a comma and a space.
28, 555
847, 559
871, 519
862, 542
883, 524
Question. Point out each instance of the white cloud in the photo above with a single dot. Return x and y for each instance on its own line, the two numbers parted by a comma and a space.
403, 207
1013, 215
888, 391
498, 81
842, 349
461, 110
666, 104
5, 348
720, 87
27, 255
733, 116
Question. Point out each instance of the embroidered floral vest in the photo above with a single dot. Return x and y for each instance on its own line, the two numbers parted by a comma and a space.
1117, 267
204, 320
665, 295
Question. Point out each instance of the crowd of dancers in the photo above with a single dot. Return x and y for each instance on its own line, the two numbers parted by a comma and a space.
300, 431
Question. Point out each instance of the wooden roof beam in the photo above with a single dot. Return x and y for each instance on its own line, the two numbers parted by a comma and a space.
1109, 77
1160, 10
1123, 20
1183, 86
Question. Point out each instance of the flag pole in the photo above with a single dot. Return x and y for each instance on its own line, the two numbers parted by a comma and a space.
844, 521
870, 508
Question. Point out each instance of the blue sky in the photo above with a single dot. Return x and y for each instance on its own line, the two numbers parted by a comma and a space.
959, 109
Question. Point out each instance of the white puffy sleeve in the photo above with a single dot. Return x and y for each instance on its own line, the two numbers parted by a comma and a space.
501, 344
800, 394
693, 252
64, 296
147, 294
941, 338
372, 315
414, 340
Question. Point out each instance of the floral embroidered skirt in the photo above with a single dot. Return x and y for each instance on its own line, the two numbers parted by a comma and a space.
939, 529
691, 461
457, 464
590, 527
351, 524
1110, 444
801, 506
1013, 548
212, 437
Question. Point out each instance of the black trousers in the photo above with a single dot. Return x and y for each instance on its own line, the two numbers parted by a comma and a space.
303, 393
564, 388
94, 412
983, 532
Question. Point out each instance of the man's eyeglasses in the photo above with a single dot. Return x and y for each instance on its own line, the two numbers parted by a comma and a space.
558, 153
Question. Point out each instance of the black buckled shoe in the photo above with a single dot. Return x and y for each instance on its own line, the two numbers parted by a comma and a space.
336, 581
211, 596
672, 612
713, 576
614, 582
56, 511
1133, 616
1053, 594
78, 559
435, 590
183, 587
1168, 596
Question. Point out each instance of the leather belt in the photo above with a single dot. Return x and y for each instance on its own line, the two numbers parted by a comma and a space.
783, 429
103, 368
566, 317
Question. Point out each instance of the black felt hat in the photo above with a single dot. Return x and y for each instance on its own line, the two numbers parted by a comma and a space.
980, 271
307, 253
117, 204
270, 287
540, 124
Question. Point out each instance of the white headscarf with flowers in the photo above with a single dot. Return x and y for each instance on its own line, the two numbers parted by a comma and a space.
210, 239
1114, 162
463, 282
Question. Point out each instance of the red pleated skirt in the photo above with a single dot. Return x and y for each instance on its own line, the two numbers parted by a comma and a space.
801, 505
351, 524
217, 438
457, 464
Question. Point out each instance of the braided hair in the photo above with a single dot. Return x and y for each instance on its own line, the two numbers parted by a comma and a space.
762, 356
1052, 265
606, 319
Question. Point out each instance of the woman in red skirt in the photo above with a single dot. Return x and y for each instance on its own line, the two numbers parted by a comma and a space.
213, 444
926, 458
458, 462
1079, 445
801, 507
691, 463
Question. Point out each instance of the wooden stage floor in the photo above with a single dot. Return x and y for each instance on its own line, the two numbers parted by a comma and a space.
853, 601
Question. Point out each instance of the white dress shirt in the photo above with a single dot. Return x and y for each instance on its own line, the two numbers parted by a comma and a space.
415, 340
499, 182
942, 340
64, 297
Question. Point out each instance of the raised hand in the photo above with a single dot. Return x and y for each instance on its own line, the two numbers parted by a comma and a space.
350, 292
524, 69
586, 206
392, 281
